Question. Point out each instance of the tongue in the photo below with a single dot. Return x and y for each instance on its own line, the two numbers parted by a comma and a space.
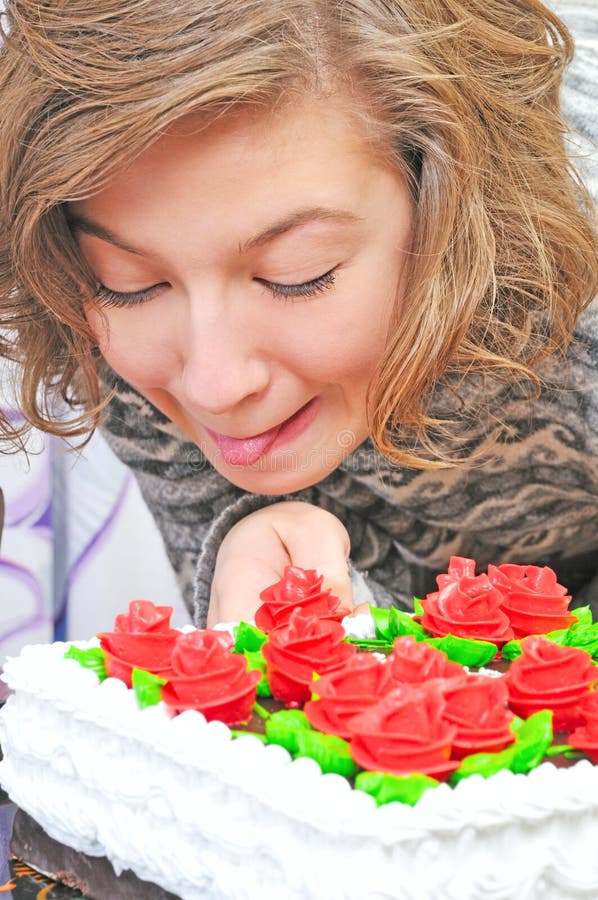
239, 452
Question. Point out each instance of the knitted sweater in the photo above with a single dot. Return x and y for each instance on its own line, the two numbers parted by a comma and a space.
536, 503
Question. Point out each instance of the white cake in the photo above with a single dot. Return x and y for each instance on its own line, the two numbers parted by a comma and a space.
184, 805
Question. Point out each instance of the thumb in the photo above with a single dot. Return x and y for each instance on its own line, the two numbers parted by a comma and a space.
325, 549
339, 584
235, 594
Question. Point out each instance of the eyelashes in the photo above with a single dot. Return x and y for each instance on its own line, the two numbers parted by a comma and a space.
107, 297
305, 290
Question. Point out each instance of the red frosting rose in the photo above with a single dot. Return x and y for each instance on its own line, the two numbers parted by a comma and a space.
477, 706
347, 692
466, 605
295, 651
534, 601
142, 639
458, 567
405, 732
144, 616
415, 661
298, 588
585, 737
208, 677
547, 676
589, 710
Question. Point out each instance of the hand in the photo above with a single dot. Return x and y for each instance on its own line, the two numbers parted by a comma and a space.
256, 550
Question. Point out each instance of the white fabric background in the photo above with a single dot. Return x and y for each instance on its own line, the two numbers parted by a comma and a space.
78, 544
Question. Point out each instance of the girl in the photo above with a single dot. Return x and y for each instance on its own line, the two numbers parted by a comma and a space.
318, 270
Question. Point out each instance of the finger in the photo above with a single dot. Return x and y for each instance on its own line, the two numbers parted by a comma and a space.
340, 586
251, 558
325, 549
236, 589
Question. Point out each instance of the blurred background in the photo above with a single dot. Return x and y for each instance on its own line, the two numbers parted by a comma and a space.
78, 544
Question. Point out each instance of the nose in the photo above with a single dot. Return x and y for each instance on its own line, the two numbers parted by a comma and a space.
224, 362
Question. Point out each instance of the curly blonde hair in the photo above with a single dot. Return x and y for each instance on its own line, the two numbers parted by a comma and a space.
463, 95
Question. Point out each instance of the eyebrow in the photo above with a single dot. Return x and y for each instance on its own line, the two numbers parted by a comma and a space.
78, 222
294, 220
297, 218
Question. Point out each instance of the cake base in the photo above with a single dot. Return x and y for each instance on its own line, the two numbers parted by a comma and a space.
93, 876
206, 816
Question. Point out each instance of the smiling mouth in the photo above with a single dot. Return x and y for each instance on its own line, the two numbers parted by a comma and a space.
246, 451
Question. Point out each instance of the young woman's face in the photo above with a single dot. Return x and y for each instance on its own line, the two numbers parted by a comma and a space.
250, 270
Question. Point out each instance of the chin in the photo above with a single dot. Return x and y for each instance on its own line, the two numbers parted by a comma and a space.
273, 483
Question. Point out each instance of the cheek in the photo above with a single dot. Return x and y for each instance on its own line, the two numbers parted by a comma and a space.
134, 346
346, 339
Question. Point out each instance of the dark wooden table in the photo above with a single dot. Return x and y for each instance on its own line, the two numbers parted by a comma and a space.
18, 880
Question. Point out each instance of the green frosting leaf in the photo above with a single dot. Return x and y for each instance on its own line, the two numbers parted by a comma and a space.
583, 637
466, 651
248, 638
263, 688
533, 738
511, 650
388, 788
584, 615
147, 687
380, 646
418, 606
393, 623
261, 711
484, 764
560, 636
284, 726
557, 749
257, 663
93, 659
583, 634
332, 753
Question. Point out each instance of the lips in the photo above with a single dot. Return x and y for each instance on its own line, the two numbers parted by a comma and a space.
246, 451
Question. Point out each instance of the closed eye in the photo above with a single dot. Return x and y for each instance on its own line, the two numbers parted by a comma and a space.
304, 290
109, 298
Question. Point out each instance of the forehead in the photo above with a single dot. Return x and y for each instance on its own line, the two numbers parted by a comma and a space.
250, 164
297, 129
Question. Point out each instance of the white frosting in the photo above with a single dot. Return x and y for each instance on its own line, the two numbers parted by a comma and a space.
204, 816
360, 626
